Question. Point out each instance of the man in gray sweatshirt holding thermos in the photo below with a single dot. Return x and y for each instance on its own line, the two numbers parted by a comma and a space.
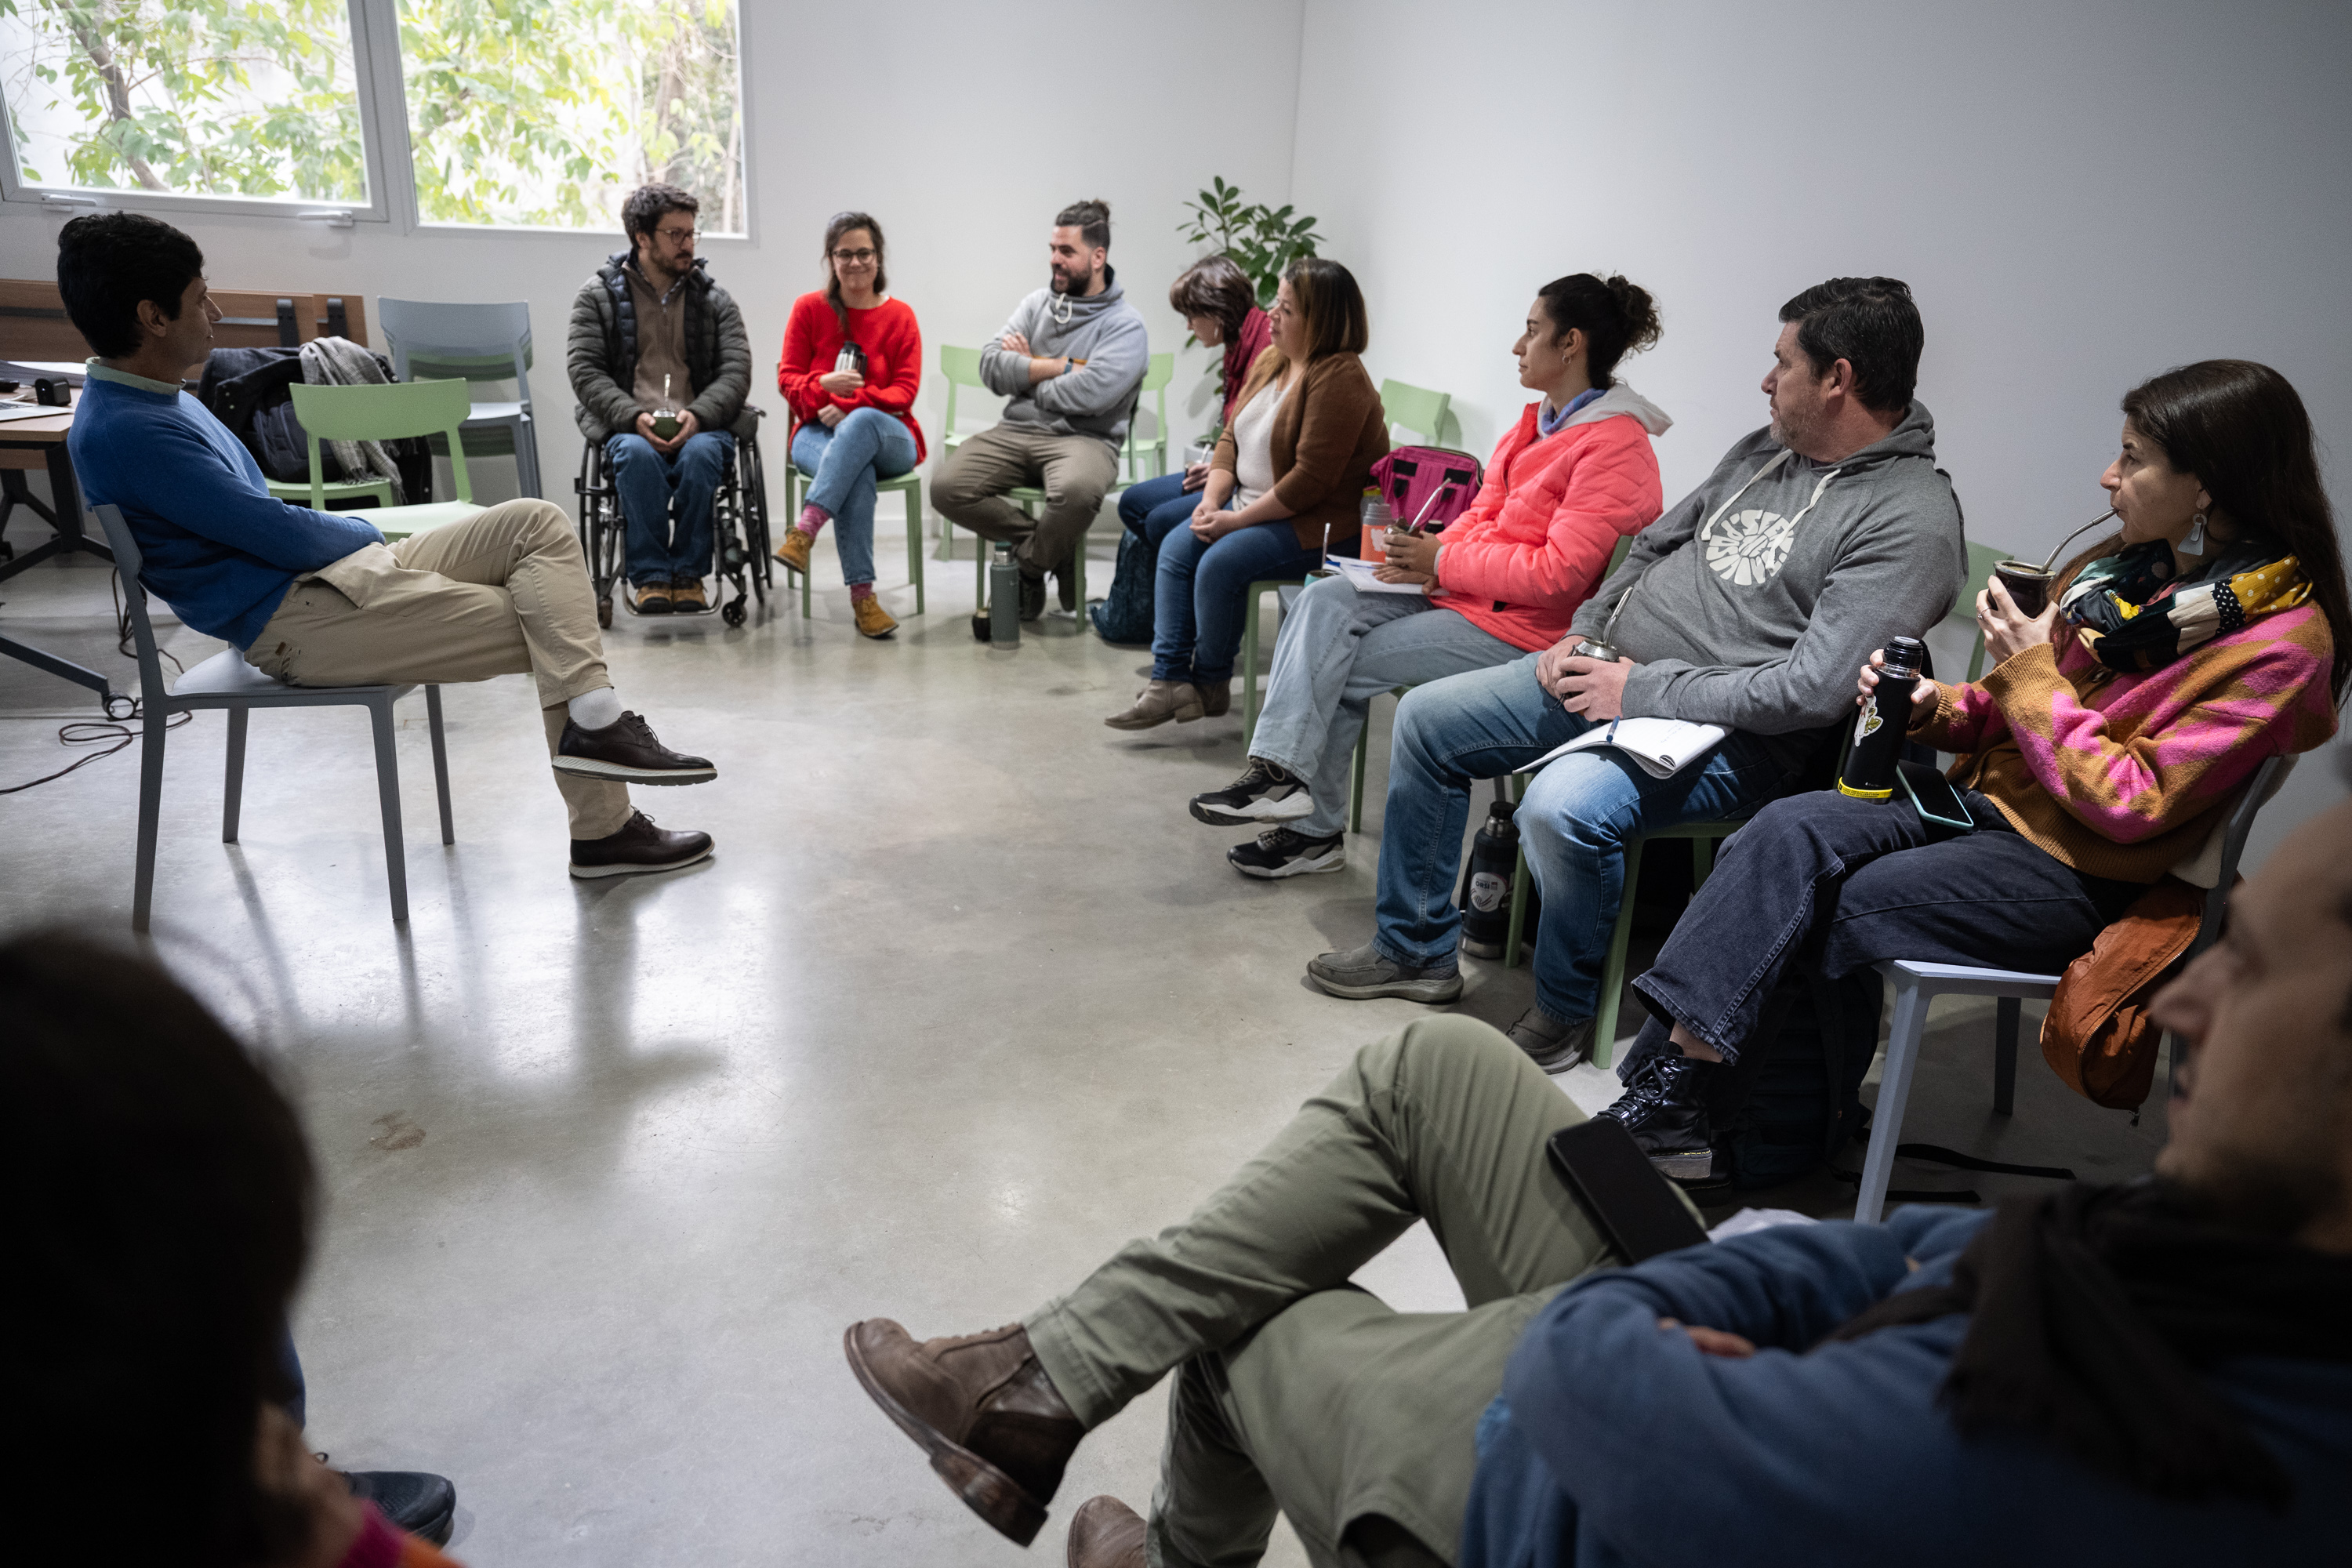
1070, 360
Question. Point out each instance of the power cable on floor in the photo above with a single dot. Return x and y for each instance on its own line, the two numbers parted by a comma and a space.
117, 726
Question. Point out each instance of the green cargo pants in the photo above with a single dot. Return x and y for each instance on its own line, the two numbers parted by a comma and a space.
1294, 1389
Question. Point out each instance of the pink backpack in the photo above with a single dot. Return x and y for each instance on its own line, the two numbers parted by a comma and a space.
1428, 485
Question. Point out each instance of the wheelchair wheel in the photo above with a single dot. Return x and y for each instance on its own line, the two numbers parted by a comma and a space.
605, 611
753, 480
733, 612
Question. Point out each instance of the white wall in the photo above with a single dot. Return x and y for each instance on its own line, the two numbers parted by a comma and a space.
2080, 196
962, 128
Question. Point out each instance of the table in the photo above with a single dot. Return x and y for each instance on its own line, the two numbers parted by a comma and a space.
26, 443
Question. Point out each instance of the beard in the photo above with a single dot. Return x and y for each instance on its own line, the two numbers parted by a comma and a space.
1793, 427
1072, 282
2276, 1194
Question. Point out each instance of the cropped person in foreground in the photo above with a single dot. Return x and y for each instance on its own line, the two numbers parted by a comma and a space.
2111, 735
316, 598
2155, 1372
1566, 483
164, 1204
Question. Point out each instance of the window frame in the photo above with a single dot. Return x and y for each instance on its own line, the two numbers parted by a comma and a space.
366, 79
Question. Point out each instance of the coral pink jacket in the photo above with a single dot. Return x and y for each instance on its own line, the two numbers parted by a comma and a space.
1534, 544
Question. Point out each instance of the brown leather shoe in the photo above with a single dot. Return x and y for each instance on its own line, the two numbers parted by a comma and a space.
1158, 702
872, 620
1105, 1534
981, 1407
1216, 697
793, 551
686, 597
650, 598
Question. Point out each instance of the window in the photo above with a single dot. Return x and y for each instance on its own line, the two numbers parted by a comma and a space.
539, 114
547, 112
254, 100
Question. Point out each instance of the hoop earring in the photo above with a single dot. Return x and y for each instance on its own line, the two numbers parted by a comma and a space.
2195, 544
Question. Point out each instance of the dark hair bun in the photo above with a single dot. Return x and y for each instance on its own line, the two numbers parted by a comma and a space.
1616, 316
1637, 311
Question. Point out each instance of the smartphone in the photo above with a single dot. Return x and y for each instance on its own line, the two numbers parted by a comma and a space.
1636, 1208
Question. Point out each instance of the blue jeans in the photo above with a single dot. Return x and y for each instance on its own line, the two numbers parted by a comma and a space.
1154, 506
659, 551
1822, 884
1201, 597
845, 462
1339, 649
1573, 823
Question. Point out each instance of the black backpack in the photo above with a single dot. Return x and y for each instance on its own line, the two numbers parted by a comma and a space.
1124, 617
247, 391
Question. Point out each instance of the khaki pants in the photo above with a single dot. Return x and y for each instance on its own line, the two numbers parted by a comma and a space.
1294, 1390
501, 593
1074, 471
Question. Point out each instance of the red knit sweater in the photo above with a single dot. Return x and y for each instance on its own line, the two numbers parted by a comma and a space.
894, 361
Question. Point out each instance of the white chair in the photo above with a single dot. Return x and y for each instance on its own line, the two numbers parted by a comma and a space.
1916, 985
226, 681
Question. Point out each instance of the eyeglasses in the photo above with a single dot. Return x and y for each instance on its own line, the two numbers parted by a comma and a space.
677, 236
854, 257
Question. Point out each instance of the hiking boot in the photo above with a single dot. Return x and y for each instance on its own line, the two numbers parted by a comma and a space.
1281, 852
996, 1430
793, 552
1033, 596
638, 849
1361, 974
872, 620
1105, 1534
1157, 703
686, 597
649, 598
1216, 697
1267, 791
1551, 1045
626, 751
1664, 1108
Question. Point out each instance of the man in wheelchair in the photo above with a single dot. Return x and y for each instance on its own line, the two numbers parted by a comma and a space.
662, 368
317, 598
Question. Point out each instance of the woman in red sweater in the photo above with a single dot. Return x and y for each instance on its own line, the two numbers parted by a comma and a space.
1575, 475
853, 361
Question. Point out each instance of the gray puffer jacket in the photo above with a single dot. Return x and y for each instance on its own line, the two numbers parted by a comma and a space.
601, 354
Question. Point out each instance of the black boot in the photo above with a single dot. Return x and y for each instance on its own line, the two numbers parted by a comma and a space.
1664, 1108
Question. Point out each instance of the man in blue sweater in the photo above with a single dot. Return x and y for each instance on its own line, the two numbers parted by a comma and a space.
2153, 1373
317, 598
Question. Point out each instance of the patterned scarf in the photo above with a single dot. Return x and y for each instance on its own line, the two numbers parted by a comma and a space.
2133, 616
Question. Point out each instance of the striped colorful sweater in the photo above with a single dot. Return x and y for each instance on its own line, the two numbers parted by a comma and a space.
2124, 775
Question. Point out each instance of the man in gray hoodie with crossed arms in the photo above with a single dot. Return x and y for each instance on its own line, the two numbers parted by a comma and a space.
1750, 604
1070, 360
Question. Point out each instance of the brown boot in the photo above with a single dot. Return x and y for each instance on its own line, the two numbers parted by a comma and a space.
981, 1407
1216, 697
872, 620
793, 550
1105, 1534
1157, 703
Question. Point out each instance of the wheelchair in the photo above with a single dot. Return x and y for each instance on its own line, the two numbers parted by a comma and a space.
738, 526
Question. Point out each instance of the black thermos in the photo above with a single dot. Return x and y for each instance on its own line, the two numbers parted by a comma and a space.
1487, 882
1885, 719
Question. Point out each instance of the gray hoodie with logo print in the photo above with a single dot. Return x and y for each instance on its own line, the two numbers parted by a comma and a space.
1761, 592
1092, 399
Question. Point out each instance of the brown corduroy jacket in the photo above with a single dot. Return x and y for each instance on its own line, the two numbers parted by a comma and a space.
1328, 434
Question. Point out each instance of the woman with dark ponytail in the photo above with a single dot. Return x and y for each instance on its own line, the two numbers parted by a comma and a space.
853, 361
1570, 480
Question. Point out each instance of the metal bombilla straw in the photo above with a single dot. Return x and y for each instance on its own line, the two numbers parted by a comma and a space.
2077, 534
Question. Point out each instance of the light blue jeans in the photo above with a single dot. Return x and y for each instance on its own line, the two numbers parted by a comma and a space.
1573, 823
845, 464
1339, 649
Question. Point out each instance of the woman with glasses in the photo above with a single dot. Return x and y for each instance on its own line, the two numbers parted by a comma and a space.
851, 363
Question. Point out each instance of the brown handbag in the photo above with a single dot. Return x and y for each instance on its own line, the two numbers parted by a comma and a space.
2097, 1035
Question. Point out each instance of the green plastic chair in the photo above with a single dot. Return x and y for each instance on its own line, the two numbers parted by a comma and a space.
391, 413
908, 484
1424, 413
960, 367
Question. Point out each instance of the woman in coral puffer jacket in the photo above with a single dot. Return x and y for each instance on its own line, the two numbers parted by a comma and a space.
1573, 477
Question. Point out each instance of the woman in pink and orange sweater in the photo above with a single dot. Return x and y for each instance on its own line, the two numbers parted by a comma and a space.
1570, 479
2112, 732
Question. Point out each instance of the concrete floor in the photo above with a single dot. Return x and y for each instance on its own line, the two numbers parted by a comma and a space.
965, 1001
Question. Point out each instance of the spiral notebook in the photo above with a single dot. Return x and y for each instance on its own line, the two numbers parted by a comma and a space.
1663, 747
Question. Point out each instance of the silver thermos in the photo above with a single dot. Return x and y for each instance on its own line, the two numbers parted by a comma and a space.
1003, 599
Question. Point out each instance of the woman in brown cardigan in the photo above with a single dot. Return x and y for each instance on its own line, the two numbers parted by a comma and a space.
1283, 489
